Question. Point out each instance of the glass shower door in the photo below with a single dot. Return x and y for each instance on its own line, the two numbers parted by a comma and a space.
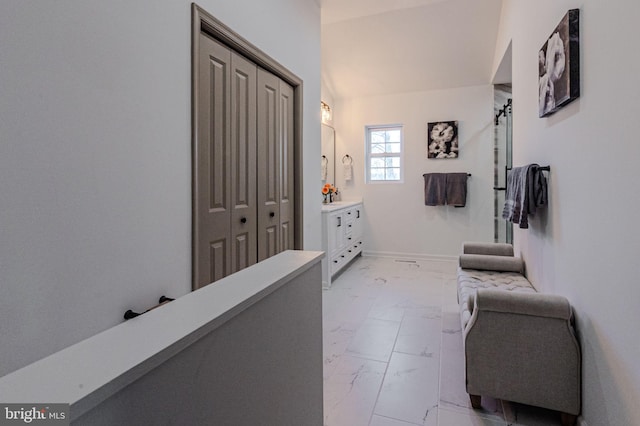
503, 230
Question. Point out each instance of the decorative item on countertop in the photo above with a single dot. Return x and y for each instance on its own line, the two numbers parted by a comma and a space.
328, 191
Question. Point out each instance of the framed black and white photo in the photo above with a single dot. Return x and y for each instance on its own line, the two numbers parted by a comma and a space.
559, 66
442, 139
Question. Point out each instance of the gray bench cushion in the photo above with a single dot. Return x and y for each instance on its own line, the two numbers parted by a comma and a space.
495, 249
488, 262
469, 280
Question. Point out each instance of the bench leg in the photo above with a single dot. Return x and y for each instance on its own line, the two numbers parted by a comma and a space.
568, 419
475, 401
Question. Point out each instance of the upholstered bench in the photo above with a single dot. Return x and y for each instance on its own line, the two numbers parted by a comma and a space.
519, 345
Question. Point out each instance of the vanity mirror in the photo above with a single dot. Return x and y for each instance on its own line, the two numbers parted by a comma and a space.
328, 170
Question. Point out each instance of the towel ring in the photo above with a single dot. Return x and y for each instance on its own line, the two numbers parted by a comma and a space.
347, 157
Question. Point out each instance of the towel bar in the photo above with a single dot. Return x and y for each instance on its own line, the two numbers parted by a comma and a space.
504, 188
543, 168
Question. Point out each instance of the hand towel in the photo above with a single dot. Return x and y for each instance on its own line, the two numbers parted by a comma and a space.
536, 189
323, 169
456, 189
348, 172
526, 192
516, 197
435, 189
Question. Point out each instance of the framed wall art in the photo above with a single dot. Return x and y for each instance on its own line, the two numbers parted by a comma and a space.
559, 66
442, 139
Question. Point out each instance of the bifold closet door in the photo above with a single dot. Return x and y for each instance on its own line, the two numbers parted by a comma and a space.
244, 222
275, 165
268, 164
287, 177
243, 164
225, 223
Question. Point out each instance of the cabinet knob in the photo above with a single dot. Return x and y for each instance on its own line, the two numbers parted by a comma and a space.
272, 214
349, 238
243, 220
335, 261
349, 251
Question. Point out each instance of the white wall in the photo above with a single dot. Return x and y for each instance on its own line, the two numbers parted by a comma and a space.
585, 245
95, 167
327, 94
397, 222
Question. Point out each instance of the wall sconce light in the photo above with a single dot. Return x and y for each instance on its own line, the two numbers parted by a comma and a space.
326, 112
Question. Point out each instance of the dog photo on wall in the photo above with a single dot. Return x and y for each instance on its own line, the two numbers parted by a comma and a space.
442, 139
559, 66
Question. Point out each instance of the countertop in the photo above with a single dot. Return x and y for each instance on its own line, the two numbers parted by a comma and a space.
336, 205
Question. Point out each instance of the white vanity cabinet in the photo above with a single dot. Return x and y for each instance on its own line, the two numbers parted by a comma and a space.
341, 236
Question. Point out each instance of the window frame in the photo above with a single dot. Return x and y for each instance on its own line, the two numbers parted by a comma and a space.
370, 155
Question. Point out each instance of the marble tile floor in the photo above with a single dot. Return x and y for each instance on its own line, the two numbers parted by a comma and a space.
393, 351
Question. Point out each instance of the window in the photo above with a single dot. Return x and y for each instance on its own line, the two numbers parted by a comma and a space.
384, 153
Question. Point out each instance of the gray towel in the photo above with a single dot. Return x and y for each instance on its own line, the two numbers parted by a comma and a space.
515, 203
526, 192
456, 192
435, 189
536, 189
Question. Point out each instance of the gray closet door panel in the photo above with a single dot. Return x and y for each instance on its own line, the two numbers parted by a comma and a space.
212, 157
244, 225
218, 260
287, 160
268, 164
245, 252
270, 241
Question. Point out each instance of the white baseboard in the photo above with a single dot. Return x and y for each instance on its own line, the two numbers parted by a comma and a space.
410, 256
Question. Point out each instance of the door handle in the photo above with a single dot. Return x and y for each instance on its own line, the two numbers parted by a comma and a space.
339, 221
499, 188
243, 220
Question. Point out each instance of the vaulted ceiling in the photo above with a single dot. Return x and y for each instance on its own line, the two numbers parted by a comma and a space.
372, 47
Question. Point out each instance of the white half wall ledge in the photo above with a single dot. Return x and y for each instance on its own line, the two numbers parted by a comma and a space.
89, 372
